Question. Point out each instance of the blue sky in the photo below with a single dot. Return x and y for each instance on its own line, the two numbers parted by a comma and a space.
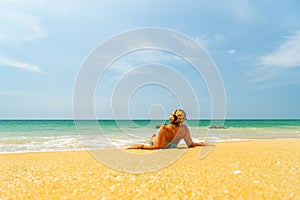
254, 44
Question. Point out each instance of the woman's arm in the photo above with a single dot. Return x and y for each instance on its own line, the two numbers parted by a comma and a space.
188, 139
158, 144
147, 147
195, 144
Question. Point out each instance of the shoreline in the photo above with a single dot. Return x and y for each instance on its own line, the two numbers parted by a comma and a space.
267, 169
233, 140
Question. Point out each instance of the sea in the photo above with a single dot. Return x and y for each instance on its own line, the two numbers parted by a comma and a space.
19, 136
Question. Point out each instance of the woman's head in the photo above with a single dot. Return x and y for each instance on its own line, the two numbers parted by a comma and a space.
177, 117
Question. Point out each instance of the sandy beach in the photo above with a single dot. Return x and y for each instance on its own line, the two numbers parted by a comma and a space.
261, 169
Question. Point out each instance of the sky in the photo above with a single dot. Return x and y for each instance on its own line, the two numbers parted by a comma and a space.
255, 46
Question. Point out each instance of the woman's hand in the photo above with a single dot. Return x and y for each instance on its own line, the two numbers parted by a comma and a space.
136, 146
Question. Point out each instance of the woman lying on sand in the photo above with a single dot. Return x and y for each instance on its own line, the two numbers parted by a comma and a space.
169, 136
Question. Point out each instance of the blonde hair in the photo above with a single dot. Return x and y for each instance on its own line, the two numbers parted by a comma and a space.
177, 117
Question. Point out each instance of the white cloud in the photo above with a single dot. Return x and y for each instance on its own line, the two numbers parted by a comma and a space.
130, 63
142, 57
286, 55
18, 25
280, 66
122, 67
8, 62
202, 41
231, 51
206, 41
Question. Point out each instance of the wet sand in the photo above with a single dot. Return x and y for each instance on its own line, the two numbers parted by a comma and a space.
262, 169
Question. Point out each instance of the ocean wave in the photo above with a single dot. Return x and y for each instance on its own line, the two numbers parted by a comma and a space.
25, 137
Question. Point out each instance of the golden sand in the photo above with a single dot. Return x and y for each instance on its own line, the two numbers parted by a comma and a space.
236, 170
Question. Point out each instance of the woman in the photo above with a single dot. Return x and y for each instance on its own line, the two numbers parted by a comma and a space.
170, 136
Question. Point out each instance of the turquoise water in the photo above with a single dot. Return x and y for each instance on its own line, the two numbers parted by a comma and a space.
64, 135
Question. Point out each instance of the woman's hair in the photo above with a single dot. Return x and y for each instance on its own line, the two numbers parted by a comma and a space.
178, 116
